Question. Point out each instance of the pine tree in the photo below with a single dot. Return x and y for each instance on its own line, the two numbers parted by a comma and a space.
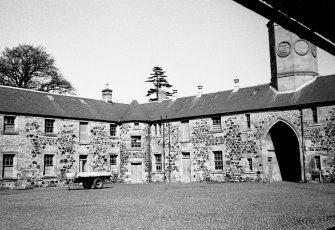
158, 78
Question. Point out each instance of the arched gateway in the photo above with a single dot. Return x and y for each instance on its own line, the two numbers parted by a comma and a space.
281, 151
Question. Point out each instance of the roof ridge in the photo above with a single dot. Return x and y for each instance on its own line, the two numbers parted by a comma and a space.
55, 94
265, 84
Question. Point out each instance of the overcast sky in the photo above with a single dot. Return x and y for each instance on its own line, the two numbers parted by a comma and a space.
118, 42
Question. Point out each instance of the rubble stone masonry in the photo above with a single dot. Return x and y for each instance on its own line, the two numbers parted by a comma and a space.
144, 154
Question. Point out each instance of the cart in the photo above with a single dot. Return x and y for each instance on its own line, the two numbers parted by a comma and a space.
88, 179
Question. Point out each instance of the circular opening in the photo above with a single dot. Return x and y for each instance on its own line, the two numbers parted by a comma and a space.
283, 49
301, 47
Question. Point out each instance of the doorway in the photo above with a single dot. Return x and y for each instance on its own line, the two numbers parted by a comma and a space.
282, 161
83, 163
186, 167
136, 173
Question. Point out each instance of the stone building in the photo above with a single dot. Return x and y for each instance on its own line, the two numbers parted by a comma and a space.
282, 131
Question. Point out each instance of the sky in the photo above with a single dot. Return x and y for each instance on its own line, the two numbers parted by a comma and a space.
95, 42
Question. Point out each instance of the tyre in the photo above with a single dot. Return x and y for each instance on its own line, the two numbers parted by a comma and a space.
98, 183
87, 184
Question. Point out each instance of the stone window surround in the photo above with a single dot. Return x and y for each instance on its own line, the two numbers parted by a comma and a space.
218, 160
185, 131
135, 142
82, 140
216, 124
14, 164
49, 127
49, 161
158, 162
112, 130
248, 120
113, 159
315, 114
11, 122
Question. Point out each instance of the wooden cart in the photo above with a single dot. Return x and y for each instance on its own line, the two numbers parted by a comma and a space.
88, 179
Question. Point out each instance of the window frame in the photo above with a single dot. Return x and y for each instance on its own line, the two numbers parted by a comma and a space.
158, 162
11, 156
250, 165
218, 161
248, 122
48, 127
47, 159
112, 130
134, 143
7, 124
317, 160
185, 127
315, 115
113, 159
216, 124
81, 139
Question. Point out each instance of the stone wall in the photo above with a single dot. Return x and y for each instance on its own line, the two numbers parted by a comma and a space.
245, 148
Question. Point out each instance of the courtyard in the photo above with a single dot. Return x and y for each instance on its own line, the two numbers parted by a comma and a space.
280, 205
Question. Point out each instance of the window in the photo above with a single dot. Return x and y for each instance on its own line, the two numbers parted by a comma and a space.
83, 166
158, 161
248, 120
185, 131
216, 123
48, 165
136, 125
317, 162
9, 124
8, 165
136, 141
218, 160
113, 159
83, 132
112, 130
250, 164
315, 114
49, 126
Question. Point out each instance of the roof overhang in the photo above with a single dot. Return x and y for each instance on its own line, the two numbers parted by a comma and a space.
311, 20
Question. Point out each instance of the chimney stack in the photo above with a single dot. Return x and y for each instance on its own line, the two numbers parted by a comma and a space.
161, 95
199, 90
107, 94
293, 59
174, 94
236, 84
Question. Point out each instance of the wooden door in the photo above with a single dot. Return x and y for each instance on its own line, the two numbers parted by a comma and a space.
136, 173
186, 167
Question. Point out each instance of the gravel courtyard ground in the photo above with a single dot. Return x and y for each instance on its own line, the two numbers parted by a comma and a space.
172, 206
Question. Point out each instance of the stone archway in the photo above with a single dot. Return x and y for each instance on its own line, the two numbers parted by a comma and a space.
281, 152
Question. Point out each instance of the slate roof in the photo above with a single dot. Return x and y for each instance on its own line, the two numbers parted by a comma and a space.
249, 99
21, 101
136, 112
255, 98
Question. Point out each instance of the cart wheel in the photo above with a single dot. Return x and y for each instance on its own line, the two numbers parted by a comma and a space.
97, 183
87, 184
